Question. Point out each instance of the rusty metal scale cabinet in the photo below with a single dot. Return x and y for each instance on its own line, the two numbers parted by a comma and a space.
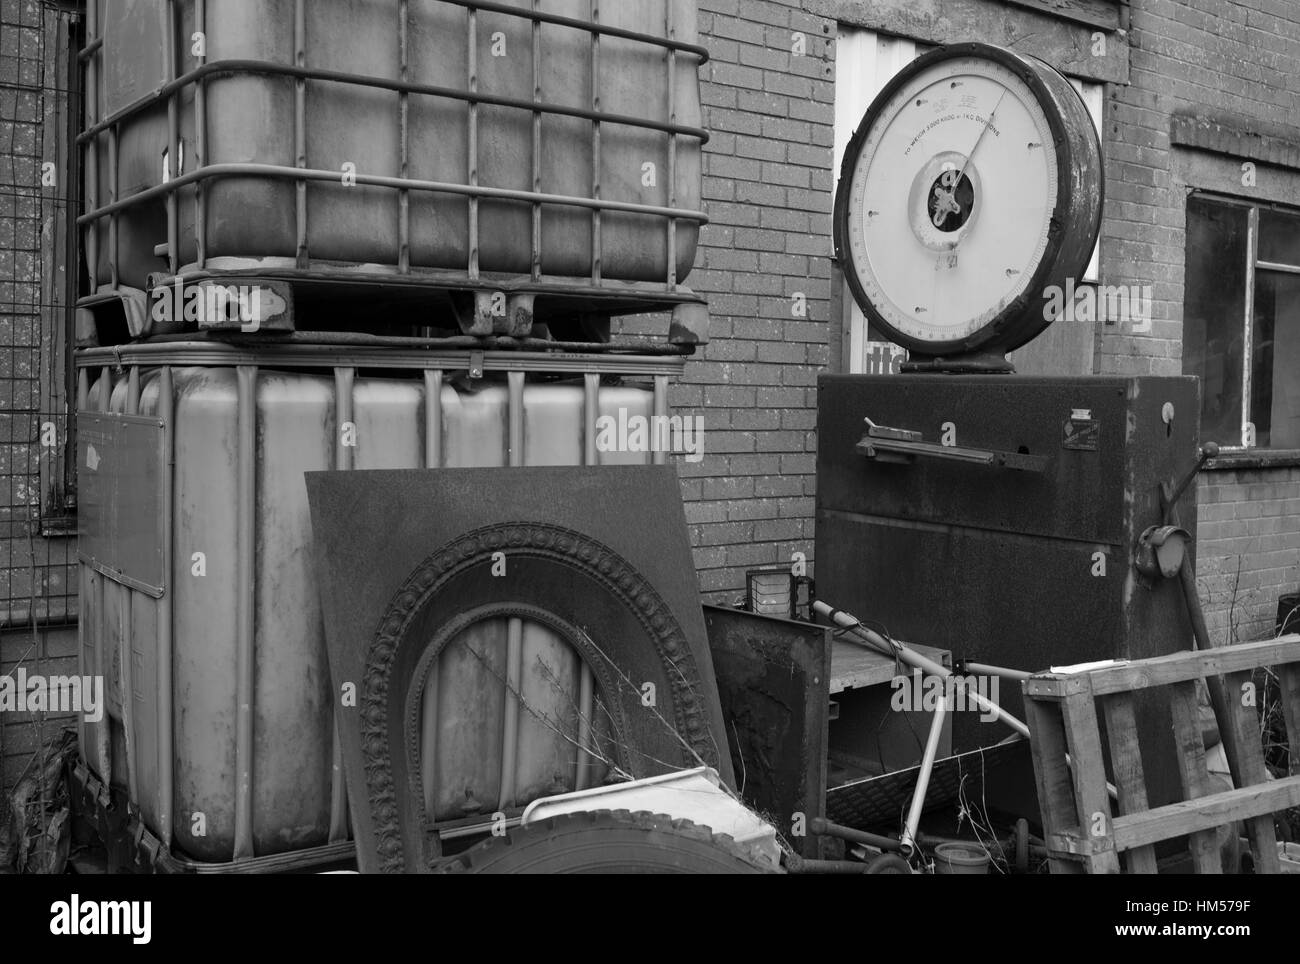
1002, 521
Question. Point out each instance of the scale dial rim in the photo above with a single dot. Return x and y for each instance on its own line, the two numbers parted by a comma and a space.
1074, 221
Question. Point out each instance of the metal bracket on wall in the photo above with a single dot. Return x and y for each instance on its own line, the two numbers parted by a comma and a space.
886, 444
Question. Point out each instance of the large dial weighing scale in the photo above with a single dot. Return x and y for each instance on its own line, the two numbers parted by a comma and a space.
960, 505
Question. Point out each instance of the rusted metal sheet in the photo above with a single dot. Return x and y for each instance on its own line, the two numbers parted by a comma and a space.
1016, 569
773, 678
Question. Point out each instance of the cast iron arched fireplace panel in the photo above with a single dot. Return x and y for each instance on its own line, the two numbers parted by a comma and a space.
629, 610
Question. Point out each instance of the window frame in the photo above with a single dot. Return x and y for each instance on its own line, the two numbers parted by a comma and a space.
1238, 454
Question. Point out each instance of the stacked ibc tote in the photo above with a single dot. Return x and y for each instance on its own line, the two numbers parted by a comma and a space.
342, 235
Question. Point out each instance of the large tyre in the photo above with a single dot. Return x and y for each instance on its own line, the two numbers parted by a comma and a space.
607, 842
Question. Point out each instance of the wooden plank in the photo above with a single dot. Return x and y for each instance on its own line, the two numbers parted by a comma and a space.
1243, 729
1061, 36
1093, 13
1192, 774
1288, 678
1182, 667
854, 665
1204, 813
1130, 780
1088, 770
1052, 777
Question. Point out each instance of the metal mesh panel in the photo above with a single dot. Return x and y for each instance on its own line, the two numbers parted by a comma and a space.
38, 195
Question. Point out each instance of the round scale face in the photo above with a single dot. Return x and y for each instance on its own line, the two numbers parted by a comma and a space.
951, 196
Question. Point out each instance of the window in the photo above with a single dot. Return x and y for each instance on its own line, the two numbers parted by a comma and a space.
1241, 321
865, 61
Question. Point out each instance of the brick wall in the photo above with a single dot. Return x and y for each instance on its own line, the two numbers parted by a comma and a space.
1249, 528
1208, 56
1216, 58
764, 264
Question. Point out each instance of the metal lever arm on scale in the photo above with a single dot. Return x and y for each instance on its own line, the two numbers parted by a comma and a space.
1170, 494
886, 444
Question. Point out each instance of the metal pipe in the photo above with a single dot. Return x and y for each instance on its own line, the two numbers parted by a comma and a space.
91, 141
824, 827
517, 347
302, 73
515, 425
1002, 672
586, 680
433, 419
112, 198
908, 843
132, 405
98, 590
126, 654
472, 137
302, 357
561, 21
344, 454
672, 147
535, 242
83, 594
595, 145
173, 142
245, 620
166, 737
590, 412
471, 190
200, 141
796, 864
915, 660
659, 456
301, 253
404, 138
1169, 497
1006, 844
344, 458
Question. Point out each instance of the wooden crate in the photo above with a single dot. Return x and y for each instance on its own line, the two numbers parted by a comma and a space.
1083, 831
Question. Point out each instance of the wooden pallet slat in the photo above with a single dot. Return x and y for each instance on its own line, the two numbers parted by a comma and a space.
1289, 688
1068, 760
1193, 775
1083, 736
1181, 667
1130, 778
1052, 776
1244, 722
1186, 816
